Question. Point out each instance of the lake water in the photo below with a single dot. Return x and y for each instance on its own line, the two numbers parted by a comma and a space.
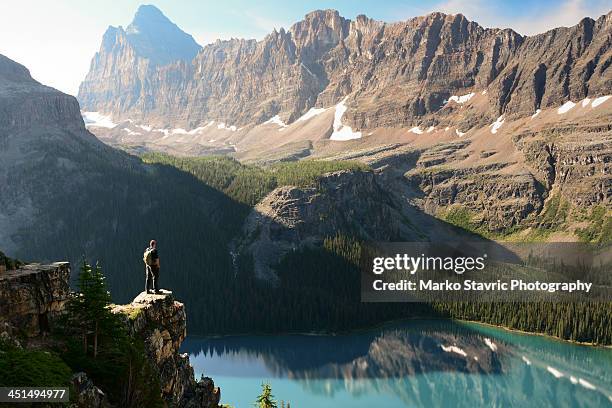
413, 364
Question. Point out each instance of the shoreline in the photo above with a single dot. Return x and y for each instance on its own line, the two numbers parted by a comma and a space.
396, 321
508, 329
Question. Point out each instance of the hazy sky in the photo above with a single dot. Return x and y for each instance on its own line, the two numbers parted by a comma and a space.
57, 39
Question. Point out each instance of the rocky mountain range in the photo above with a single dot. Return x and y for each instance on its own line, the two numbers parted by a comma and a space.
502, 134
484, 128
418, 72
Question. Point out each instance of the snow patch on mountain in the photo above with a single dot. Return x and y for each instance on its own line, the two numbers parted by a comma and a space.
197, 130
497, 124
276, 120
312, 112
176, 131
566, 107
461, 98
342, 132
131, 132
600, 100
96, 119
224, 126
417, 130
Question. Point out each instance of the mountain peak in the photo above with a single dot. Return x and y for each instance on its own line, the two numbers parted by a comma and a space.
147, 16
158, 39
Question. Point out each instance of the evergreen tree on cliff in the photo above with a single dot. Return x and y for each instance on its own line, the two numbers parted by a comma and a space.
112, 358
89, 307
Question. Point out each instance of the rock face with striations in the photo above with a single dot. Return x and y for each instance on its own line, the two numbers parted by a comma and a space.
347, 202
160, 321
32, 296
395, 73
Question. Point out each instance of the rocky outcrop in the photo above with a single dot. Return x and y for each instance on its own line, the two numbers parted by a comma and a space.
573, 159
346, 202
24, 102
499, 201
396, 74
505, 181
7, 263
567, 63
160, 321
88, 395
32, 297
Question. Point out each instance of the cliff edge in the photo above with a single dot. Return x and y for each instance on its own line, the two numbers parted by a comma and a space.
34, 296
160, 320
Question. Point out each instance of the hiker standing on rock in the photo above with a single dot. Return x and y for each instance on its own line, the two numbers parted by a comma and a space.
151, 260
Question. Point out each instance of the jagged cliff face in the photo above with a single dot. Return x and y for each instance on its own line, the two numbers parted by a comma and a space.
395, 74
32, 297
160, 321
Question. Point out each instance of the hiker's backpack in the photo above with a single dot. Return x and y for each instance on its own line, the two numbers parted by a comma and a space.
148, 256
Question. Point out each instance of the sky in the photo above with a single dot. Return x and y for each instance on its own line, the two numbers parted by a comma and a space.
57, 39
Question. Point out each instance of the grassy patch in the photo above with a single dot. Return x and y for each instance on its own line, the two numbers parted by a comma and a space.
134, 313
307, 172
248, 184
600, 228
555, 213
32, 368
461, 217
432, 169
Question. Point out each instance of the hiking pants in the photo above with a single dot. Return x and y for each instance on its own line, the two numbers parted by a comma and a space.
151, 278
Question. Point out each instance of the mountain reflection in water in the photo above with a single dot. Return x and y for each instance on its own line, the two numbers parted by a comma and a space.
421, 363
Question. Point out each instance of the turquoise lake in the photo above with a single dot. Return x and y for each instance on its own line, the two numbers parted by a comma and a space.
412, 364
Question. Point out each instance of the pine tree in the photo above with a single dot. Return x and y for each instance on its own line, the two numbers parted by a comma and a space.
266, 399
89, 307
